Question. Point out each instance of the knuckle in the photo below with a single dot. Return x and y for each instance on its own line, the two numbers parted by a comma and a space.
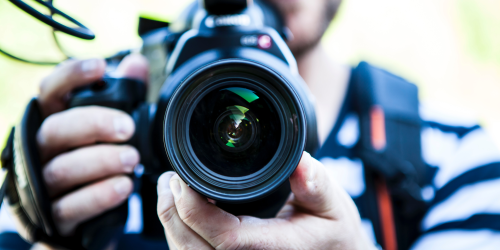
121, 191
54, 172
229, 240
48, 130
184, 246
59, 214
107, 157
63, 68
100, 203
103, 202
187, 214
99, 121
166, 216
99, 199
191, 247
44, 85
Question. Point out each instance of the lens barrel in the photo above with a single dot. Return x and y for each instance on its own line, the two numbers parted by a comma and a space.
235, 130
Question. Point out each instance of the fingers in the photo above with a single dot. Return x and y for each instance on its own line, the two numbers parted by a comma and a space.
87, 164
67, 76
133, 66
210, 222
313, 190
226, 231
71, 74
179, 235
82, 126
89, 201
317, 205
43, 246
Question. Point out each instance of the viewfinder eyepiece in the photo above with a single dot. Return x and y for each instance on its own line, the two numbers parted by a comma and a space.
225, 7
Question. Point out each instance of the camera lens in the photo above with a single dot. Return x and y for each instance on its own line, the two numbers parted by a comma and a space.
234, 131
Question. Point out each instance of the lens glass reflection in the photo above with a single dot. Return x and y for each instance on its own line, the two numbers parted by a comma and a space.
234, 131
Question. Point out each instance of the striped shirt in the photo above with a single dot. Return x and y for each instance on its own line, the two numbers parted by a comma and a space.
462, 187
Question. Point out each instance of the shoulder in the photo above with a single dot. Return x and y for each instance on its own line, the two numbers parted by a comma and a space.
454, 142
466, 182
445, 115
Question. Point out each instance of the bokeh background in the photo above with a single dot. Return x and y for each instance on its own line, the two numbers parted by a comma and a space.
449, 48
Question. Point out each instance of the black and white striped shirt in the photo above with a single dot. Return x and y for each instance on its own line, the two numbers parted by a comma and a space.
463, 181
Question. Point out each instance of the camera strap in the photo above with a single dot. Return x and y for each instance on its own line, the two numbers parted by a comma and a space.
390, 149
28, 199
6, 160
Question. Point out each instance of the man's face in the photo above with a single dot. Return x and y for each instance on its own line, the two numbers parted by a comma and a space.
307, 19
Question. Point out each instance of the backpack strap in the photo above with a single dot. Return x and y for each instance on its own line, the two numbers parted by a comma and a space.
390, 149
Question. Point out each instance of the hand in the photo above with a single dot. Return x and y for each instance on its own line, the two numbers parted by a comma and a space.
318, 215
67, 142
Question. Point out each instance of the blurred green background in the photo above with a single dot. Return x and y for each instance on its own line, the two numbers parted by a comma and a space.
449, 48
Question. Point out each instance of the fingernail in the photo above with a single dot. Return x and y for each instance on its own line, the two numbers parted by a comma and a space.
308, 160
129, 158
124, 127
164, 183
310, 169
310, 182
122, 187
175, 186
89, 66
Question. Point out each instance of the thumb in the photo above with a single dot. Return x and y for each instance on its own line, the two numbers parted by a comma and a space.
313, 190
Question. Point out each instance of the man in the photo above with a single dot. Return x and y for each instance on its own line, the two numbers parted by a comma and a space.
319, 215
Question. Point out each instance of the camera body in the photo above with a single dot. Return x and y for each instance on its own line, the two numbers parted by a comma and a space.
232, 117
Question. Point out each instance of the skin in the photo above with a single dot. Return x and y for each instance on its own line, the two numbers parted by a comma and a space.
318, 215
67, 142
327, 80
85, 179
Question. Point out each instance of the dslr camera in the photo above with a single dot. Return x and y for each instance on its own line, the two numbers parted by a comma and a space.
232, 118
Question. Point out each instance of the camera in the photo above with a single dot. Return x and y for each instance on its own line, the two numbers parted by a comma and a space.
233, 115
226, 110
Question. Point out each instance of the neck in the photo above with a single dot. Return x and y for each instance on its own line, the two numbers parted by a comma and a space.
328, 82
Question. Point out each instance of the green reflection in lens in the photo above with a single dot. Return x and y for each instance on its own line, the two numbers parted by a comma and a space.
246, 94
238, 113
230, 127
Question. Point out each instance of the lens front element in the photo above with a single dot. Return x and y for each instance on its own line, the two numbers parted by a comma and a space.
234, 130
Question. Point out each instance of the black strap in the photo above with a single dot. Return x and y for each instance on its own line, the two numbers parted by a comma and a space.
394, 153
6, 159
